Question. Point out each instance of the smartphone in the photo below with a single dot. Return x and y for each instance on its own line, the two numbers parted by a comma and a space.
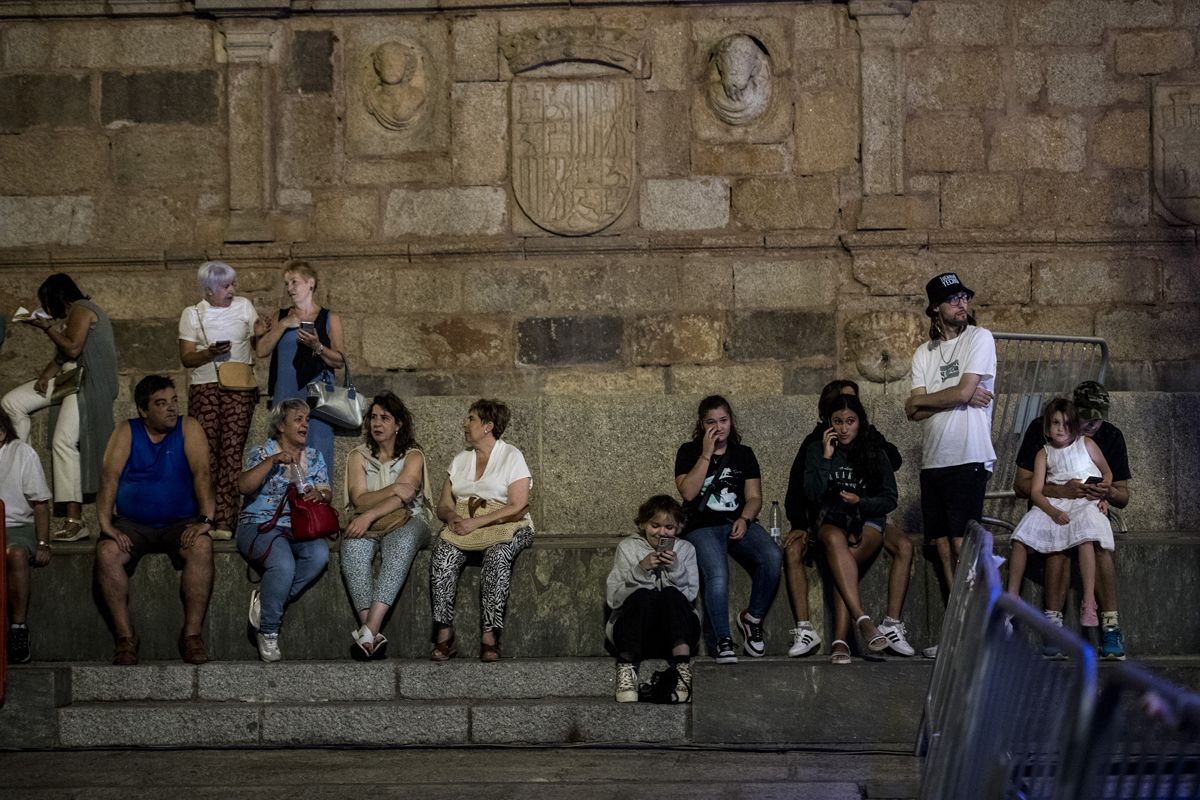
308, 326
666, 543
1094, 479
222, 343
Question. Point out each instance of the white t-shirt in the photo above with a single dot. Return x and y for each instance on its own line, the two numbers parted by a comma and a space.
959, 435
22, 482
505, 465
234, 324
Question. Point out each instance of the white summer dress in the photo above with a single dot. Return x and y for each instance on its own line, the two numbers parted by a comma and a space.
1037, 531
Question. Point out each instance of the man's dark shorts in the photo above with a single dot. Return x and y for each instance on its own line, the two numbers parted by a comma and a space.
951, 497
146, 540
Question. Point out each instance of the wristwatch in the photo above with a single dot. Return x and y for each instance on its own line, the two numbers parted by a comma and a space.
203, 520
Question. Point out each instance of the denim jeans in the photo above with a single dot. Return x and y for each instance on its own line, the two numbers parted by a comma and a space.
756, 552
288, 569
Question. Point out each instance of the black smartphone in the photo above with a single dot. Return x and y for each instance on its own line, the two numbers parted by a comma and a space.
222, 344
666, 543
308, 326
1094, 479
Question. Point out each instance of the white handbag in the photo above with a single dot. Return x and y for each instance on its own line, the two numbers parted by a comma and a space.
338, 405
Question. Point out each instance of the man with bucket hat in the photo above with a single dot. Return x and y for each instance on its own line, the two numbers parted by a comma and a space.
1092, 402
953, 377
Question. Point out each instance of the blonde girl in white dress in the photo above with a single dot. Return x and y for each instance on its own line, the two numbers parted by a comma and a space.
1054, 524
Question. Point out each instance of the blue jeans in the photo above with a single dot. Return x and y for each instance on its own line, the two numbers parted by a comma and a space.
756, 552
288, 569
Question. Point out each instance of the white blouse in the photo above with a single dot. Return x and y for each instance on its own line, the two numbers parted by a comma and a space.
505, 465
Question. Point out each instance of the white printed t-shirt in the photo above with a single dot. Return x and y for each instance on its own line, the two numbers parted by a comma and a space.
234, 324
959, 435
22, 482
505, 466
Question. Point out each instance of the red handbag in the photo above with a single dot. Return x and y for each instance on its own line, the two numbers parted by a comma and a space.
310, 520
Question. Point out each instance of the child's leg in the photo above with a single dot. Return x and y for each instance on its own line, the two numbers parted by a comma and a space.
1016, 568
1087, 575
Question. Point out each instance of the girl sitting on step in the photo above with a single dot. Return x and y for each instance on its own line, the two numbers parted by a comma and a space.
651, 590
1055, 525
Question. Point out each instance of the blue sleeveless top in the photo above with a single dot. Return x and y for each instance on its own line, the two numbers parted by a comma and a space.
155, 487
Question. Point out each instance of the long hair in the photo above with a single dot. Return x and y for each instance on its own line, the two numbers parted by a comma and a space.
405, 437
863, 454
715, 401
935, 324
832, 390
1061, 405
56, 292
6, 425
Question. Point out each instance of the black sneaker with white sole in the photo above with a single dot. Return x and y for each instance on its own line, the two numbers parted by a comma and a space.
725, 652
18, 646
752, 636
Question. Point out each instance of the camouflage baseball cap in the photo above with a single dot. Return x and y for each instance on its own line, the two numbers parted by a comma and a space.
1091, 400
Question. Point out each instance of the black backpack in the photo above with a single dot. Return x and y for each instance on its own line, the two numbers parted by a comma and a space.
661, 688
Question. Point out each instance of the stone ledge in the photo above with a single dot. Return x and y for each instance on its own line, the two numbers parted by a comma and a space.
566, 722
365, 723
158, 725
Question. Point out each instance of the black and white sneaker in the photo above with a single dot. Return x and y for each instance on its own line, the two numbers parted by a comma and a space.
18, 645
725, 652
752, 635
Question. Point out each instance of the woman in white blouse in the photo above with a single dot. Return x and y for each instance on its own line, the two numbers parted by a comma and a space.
491, 477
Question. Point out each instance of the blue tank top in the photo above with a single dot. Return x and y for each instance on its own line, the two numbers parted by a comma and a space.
155, 487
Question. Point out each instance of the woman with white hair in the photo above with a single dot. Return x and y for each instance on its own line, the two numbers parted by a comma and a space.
221, 330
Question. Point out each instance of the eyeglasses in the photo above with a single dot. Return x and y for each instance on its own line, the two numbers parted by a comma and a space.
960, 299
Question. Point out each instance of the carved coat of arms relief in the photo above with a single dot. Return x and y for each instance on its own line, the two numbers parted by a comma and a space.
1177, 152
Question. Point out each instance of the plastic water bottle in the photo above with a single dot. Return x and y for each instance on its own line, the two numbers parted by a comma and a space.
775, 531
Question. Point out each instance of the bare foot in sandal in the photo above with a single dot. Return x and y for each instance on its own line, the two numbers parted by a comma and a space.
839, 653
876, 641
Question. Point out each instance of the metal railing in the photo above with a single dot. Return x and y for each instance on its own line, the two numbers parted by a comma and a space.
1031, 369
974, 593
1144, 741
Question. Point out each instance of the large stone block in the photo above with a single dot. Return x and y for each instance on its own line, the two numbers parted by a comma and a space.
29, 716
1060, 22
1039, 142
740, 159
26, 221
531, 679
1166, 331
663, 133
1154, 53
424, 342
504, 287
1121, 139
432, 168
587, 286
550, 341
123, 295
152, 157
980, 201
996, 277
1026, 318
165, 725
819, 27
1186, 465
1120, 198
734, 380
41, 162
785, 203
693, 338
786, 284
307, 141
138, 44
896, 211
1080, 79
59, 101
783, 335
147, 345
147, 218
1139, 14
365, 723
669, 58
476, 49
826, 131
346, 216
686, 204
296, 682
604, 382
949, 79
25, 45
587, 721
310, 62
826, 69
1095, 278
479, 127
944, 143
160, 97
469, 211
965, 24
104, 683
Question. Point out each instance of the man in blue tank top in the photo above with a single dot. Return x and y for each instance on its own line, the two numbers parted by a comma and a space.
156, 477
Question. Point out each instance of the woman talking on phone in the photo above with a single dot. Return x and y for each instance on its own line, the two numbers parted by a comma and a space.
219, 330
721, 486
305, 343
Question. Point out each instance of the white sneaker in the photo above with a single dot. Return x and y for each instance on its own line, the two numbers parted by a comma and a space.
804, 639
683, 689
255, 614
930, 652
895, 632
268, 647
627, 689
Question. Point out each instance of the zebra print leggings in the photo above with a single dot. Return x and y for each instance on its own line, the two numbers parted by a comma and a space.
399, 548
495, 580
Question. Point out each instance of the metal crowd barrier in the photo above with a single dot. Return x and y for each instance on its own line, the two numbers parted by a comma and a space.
1014, 731
1144, 741
974, 593
1031, 369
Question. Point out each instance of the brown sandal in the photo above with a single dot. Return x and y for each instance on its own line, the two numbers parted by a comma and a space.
191, 648
489, 653
444, 651
125, 651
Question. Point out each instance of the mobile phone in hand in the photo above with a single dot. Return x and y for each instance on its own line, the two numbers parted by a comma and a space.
309, 327
666, 543
1094, 479
222, 344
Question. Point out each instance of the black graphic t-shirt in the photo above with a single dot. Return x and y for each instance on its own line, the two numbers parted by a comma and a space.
728, 485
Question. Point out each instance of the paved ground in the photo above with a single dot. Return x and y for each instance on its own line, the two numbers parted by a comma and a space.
433, 774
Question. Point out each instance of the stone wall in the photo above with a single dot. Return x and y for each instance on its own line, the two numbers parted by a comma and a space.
670, 251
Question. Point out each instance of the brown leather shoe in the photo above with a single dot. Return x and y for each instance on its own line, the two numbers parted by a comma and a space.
444, 651
192, 649
125, 651
489, 653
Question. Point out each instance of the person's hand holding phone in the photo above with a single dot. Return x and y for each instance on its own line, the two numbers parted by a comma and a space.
829, 440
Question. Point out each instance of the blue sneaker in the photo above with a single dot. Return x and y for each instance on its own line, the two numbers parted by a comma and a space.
1112, 646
